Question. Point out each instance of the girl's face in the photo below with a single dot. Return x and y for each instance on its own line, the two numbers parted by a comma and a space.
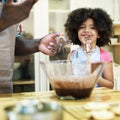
88, 31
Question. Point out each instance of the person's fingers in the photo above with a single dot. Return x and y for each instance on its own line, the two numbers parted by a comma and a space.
50, 51
52, 48
9, 1
55, 34
83, 40
52, 43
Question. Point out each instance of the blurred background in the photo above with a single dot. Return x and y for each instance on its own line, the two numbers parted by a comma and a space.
49, 16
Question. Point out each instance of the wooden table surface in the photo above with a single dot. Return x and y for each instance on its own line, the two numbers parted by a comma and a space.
98, 95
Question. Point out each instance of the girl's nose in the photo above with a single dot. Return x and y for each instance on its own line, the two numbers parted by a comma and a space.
86, 32
87, 29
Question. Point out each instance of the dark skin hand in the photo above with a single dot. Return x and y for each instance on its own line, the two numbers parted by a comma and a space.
46, 45
15, 12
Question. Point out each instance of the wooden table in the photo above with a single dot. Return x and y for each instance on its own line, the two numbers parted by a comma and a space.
99, 94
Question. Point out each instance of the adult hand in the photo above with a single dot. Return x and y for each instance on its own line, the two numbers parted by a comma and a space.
48, 44
15, 12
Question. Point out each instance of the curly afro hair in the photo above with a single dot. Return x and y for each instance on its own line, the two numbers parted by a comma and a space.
102, 21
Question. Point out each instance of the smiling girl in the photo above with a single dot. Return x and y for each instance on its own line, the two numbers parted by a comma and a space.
93, 27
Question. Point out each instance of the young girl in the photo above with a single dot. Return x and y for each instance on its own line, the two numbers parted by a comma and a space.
92, 28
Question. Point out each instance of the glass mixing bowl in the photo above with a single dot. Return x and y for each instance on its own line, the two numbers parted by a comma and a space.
72, 80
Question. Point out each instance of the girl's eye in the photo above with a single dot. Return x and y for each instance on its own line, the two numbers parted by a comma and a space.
92, 27
84, 27
81, 27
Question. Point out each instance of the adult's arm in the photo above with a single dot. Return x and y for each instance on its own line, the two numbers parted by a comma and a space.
46, 45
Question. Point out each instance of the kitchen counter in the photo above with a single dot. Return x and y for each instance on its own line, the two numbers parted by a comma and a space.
98, 95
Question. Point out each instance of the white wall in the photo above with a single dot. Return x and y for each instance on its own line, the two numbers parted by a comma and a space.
111, 6
107, 5
40, 29
28, 24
